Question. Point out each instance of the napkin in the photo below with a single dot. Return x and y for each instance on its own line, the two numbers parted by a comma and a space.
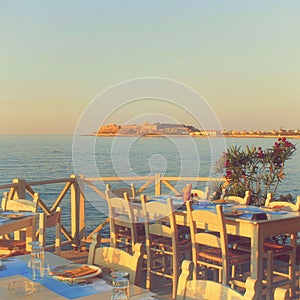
187, 192
76, 272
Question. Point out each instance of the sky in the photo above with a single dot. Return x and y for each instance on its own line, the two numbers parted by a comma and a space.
242, 57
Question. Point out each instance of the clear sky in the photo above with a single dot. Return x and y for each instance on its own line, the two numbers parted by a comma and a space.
56, 56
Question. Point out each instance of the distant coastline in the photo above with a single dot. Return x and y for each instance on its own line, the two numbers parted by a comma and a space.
181, 130
198, 136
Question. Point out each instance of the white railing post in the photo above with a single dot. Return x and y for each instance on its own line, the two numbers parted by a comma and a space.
80, 181
74, 201
20, 191
157, 184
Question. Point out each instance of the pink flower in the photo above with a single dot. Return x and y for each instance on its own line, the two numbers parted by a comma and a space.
227, 163
260, 155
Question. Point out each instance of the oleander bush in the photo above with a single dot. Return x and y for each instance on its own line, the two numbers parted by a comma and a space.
255, 169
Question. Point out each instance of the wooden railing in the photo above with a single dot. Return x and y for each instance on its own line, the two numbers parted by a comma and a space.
74, 229
20, 189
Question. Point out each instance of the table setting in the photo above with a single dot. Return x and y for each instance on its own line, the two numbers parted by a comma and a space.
63, 279
231, 209
68, 280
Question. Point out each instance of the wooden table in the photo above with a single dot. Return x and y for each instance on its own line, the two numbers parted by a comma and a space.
257, 231
28, 222
42, 292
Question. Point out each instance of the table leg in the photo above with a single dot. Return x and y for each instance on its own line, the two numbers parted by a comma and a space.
292, 264
256, 268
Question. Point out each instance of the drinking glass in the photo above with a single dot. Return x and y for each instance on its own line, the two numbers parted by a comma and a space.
120, 285
119, 274
36, 262
21, 288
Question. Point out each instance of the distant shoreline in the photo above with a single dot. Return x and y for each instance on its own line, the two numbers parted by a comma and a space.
200, 136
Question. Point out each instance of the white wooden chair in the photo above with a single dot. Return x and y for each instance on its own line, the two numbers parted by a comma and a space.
119, 192
281, 294
194, 289
287, 206
17, 244
9, 247
18, 205
234, 239
117, 259
273, 250
240, 200
125, 228
163, 248
200, 193
47, 221
210, 250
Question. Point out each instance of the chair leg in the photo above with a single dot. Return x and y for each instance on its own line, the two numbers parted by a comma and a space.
269, 276
292, 276
175, 268
233, 274
148, 280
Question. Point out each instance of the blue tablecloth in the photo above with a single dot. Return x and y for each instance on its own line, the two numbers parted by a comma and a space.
247, 211
4, 220
14, 266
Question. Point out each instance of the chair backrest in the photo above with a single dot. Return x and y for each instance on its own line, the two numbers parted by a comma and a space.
162, 246
20, 204
156, 212
117, 259
192, 289
200, 193
121, 214
239, 200
283, 204
119, 192
46, 221
213, 222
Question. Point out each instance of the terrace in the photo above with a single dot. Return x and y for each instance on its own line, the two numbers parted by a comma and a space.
78, 226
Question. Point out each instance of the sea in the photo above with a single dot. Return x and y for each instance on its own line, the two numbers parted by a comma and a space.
50, 157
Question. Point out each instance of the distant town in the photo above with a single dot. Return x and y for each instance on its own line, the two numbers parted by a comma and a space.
157, 129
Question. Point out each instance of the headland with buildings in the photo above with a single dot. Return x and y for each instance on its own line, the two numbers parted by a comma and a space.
161, 129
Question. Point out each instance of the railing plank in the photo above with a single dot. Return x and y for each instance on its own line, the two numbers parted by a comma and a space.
50, 181
95, 188
173, 178
96, 230
170, 186
8, 186
144, 186
62, 194
126, 178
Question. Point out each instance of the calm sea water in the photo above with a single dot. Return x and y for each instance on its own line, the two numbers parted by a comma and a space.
51, 157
